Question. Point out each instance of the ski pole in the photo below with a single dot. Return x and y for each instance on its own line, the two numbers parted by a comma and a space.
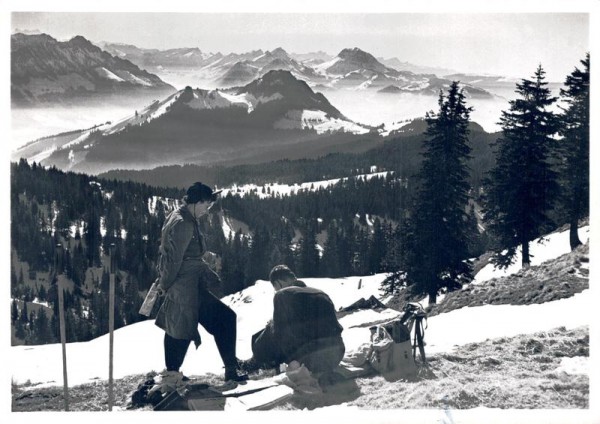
111, 325
61, 317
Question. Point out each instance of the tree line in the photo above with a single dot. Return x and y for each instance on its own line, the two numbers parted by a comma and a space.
540, 179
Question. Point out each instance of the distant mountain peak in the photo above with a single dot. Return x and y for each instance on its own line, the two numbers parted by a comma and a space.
355, 59
278, 77
279, 52
357, 54
81, 41
37, 38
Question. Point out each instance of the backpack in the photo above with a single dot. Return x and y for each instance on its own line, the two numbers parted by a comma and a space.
392, 353
391, 356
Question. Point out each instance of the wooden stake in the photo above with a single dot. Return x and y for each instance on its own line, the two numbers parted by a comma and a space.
61, 317
111, 326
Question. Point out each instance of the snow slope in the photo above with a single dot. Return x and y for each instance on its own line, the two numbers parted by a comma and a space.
138, 348
553, 246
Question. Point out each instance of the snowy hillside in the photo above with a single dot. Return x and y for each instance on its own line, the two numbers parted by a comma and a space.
138, 347
206, 126
541, 250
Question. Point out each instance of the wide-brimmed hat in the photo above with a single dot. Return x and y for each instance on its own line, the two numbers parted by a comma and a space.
199, 192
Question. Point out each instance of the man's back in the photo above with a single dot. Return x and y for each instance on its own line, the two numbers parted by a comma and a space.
303, 314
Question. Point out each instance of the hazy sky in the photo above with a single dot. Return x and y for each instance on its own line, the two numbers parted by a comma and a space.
510, 44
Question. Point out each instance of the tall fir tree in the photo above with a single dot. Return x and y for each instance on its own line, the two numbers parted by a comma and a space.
522, 187
330, 262
14, 312
377, 247
575, 147
309, 258
439, 242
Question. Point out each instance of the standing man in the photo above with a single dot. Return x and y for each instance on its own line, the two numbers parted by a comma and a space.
304, 327
184, 276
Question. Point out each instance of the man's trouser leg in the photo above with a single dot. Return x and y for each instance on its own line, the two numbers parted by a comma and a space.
220, 321
175, 350
321, 355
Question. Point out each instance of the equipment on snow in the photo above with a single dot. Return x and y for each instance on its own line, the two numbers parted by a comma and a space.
390, 349
391, 352
198, 396
414, 314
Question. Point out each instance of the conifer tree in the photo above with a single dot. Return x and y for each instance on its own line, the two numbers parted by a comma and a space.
20, 330
522, 186
330, 262
14, 313
41, 328
440, 232
259, 255
24, 318
309, 254
377, 247
575, 147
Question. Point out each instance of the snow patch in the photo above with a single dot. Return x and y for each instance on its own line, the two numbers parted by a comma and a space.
162, 109
319, 121
137, 80
39, 302
84, 136
214, 99
44, 154
495, 321
109, 75
274, 189
322, 68
239, 99
103, 226
80, 225
228, 231
394, 126
575, 365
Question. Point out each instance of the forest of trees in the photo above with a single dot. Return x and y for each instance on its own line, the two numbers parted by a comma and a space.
540, 180
542, 165
355, 222
417, 222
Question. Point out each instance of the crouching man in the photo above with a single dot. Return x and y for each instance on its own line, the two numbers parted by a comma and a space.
304, 327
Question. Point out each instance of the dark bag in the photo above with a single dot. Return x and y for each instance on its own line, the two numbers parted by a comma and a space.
265, 349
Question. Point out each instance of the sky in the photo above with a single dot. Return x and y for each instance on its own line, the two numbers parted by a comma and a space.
510, 44
87, 361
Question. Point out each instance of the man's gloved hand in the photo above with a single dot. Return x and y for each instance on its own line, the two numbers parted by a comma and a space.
161, 291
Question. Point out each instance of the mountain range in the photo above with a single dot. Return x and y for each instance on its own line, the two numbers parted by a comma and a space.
50, 72
352, 68
270, 105
274, 113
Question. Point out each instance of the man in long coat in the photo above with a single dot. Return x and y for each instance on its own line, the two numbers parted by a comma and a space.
184, 277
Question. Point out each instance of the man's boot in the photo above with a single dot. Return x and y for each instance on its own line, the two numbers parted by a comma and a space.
231, 374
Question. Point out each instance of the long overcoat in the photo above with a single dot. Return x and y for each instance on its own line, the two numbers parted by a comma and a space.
181, 271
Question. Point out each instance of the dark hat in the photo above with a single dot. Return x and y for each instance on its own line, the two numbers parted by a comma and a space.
199, 192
